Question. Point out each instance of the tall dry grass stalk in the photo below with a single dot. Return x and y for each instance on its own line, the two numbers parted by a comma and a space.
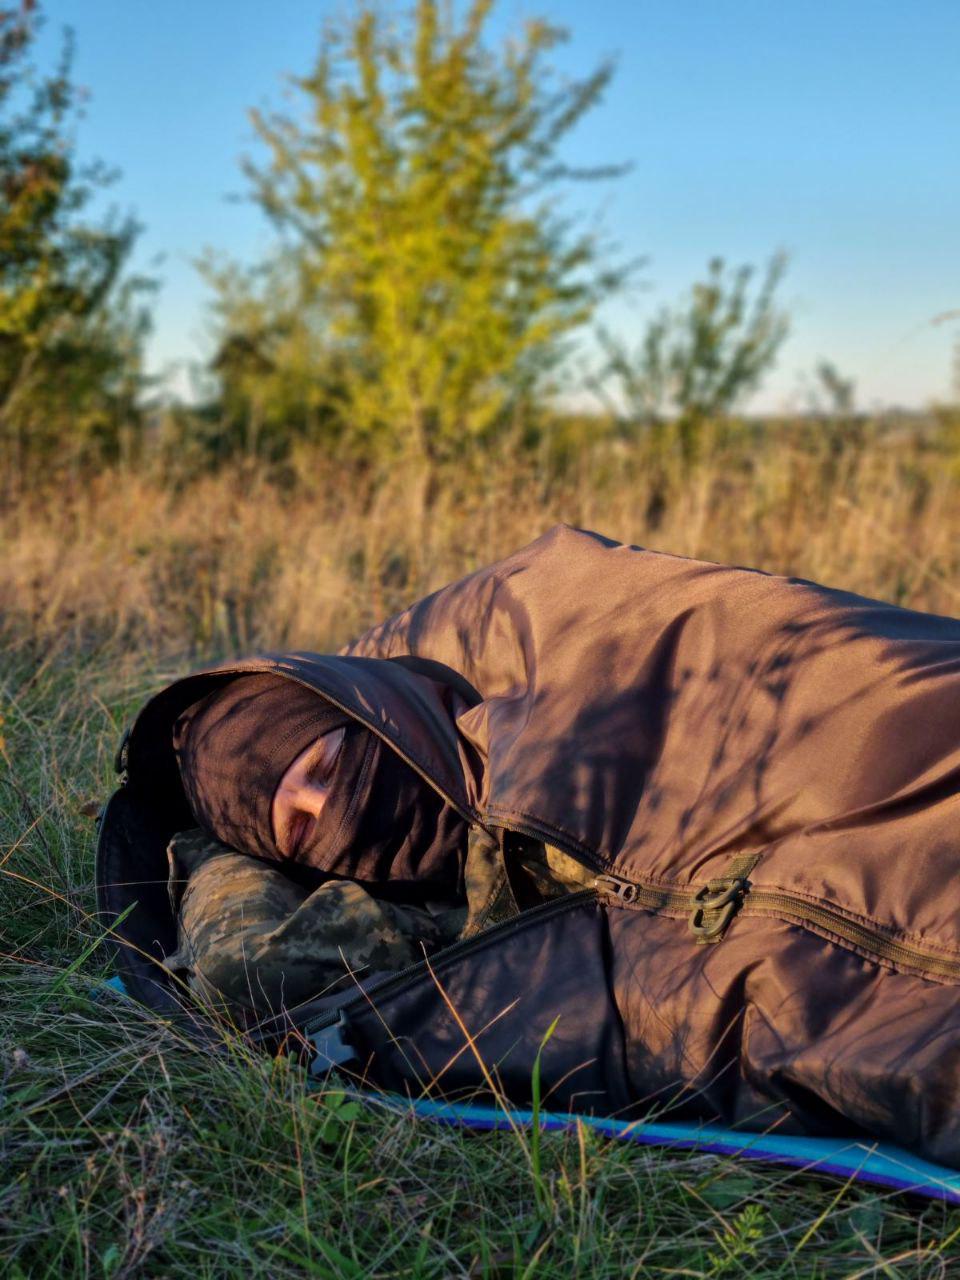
236, 561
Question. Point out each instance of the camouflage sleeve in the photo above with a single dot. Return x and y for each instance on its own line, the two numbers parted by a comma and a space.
254, 939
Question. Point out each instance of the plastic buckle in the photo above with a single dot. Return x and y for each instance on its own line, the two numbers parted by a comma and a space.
716, 905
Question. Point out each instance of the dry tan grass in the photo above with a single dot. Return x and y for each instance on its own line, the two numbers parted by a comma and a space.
128, 1151
238, 560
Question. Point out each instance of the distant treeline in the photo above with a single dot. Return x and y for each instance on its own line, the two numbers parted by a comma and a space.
424, 294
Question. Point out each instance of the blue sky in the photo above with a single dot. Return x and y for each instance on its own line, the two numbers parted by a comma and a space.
829, 130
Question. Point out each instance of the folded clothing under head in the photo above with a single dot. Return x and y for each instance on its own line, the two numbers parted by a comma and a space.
252, 940
381, 821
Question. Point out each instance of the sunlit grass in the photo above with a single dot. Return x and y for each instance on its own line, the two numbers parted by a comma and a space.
128, 1149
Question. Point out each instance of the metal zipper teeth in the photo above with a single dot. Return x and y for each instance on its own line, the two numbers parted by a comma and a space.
455, 951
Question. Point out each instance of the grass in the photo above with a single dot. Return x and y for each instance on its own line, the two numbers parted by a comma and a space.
126, 1149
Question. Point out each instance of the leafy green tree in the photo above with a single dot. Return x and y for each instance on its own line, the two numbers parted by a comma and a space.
71, 326
279, 375
697, 363
416, 192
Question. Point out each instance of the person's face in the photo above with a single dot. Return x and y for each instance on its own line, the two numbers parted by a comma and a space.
302, 793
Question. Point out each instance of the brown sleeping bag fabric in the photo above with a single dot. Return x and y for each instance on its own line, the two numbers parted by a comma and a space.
762, 776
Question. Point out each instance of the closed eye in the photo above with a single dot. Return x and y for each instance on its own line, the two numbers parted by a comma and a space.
302, 791
321, 770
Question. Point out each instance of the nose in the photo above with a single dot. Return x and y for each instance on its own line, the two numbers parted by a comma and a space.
297, 808
303, 791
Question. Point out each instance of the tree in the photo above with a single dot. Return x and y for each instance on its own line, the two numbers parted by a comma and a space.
697, 363
71, 326
278, 373
416, 191
834, 395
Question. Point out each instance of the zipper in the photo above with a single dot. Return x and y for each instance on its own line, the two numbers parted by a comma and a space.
870, 938
391, 982
711, 907
645, 897
708, 908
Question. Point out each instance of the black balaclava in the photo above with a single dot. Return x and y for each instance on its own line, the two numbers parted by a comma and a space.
381, 821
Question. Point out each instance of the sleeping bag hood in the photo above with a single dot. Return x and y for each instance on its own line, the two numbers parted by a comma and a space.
763, 776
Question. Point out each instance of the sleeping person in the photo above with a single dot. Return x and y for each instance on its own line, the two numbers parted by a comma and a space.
683, 834
293, 799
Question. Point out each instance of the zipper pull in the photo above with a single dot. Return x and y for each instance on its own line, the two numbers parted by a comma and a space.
625, 890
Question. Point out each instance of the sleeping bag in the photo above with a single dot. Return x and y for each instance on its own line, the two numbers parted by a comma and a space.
721, 811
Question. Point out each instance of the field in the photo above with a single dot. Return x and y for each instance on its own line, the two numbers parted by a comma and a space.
125, 1149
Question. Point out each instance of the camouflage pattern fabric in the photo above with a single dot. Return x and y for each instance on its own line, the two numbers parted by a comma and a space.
490, 898
251, 938
537, 872
550, 872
